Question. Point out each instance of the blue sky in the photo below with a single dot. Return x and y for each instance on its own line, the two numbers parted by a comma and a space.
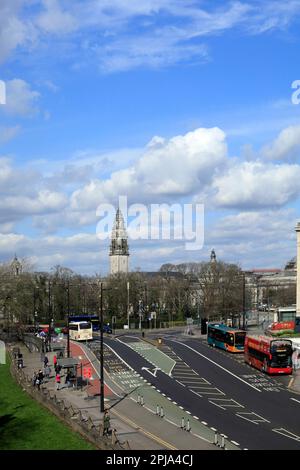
91, 84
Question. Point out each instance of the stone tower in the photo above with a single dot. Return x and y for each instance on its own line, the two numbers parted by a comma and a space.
16, 266
119, 250
213, 257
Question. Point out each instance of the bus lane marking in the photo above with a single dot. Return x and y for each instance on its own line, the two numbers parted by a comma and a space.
286, 433
225, 403
255, 421
216, 364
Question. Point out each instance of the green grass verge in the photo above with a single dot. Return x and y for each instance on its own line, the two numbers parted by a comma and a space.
26, 425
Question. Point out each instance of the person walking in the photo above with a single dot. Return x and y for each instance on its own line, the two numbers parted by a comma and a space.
46, 360
68, 379
40, 377
106, 423
47, 371
54, 360
57, 381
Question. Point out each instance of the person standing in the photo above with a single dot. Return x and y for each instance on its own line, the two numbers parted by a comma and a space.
47, 371
57, 381
106, 423
54, 360
46, 360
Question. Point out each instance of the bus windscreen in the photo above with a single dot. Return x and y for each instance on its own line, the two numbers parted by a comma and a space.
240, 338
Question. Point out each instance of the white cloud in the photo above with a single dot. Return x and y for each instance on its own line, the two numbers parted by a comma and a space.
167, 169
256, 184
8, 133
285, 147
21, 99
165, 32
55, 20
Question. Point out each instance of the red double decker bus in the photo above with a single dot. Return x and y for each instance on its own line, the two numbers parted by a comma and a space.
273, 356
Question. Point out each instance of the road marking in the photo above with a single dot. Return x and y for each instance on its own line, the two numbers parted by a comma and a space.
255, 421
191, 374
150, 371
180, 383
216, 364
196, 393
225, 403
294, 399
210, 392
286, 433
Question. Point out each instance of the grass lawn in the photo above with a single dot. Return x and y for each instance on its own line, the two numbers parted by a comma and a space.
24, 424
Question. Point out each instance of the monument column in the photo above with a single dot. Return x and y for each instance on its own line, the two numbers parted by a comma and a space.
298, 271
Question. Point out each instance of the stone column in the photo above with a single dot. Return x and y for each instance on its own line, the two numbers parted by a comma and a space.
298, 271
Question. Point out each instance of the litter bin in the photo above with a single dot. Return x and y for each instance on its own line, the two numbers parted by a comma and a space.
159, 341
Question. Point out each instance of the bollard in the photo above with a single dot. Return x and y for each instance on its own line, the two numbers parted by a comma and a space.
215, 436
223, 441
142, 400
182, 423
188, 426
157, 410
162, 414
139, 399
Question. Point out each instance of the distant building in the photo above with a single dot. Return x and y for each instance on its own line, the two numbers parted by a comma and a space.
16, 266
119, 250
258, 281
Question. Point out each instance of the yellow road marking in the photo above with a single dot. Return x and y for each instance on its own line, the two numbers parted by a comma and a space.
147, 433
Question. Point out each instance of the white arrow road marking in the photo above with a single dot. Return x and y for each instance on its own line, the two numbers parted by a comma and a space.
154, 370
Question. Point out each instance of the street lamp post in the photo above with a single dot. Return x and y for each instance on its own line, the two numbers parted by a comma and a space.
49, 315
101, 351
68, 321
128, 306
244, 299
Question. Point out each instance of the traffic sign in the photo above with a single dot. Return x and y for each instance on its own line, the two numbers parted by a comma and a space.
87, 372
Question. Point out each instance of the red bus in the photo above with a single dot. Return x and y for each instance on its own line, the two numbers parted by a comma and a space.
273, 356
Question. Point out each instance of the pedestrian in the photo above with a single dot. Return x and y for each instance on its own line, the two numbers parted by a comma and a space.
47, 371
41, 376
57, 381
54, 360
46, 360
34, 378
20, 360
106, 423
68, 379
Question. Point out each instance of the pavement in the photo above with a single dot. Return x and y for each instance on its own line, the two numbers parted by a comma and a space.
143, 429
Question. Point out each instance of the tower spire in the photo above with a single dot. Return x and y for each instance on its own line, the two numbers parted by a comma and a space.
119, 250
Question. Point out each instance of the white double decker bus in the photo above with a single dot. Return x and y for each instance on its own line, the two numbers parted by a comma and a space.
80, 330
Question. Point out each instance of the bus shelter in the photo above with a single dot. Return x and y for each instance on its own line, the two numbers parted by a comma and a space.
70, 364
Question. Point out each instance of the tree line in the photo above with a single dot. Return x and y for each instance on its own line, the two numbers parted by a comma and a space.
199, 290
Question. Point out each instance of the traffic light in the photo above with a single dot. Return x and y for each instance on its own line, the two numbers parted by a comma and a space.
203, 326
